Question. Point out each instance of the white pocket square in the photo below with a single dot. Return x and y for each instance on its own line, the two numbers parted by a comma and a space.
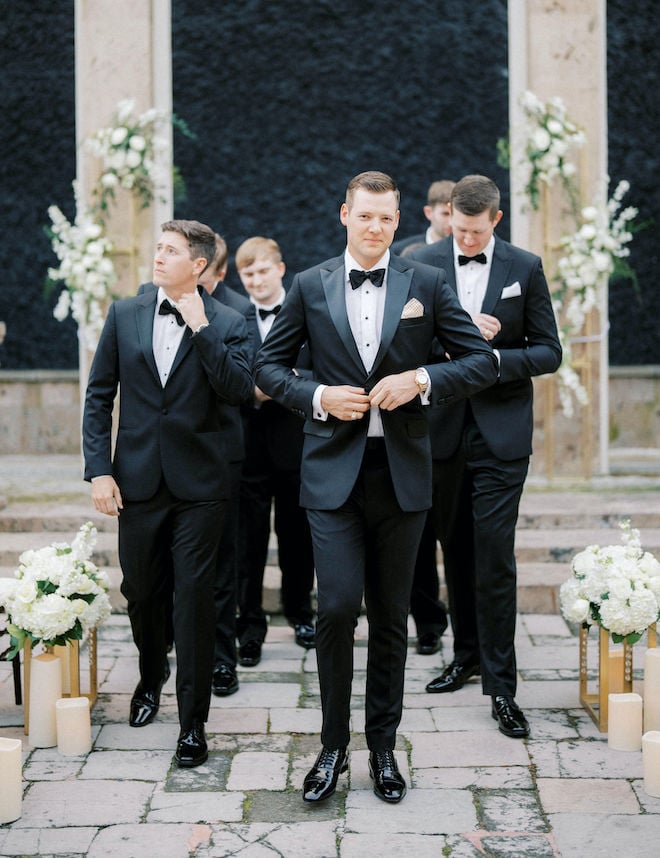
413, 309
511, 291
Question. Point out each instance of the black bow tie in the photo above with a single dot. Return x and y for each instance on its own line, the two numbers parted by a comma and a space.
166, 308
480, 257
357, 278
264, 314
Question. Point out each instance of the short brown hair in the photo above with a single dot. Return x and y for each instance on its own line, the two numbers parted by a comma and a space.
440, 192
374, 181
220, 258
255, 248
473, 195
200, 237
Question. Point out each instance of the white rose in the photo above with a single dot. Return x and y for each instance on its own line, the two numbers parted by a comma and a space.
137, 142
540, 139
133, 159
118, 136
109, 180
554, 127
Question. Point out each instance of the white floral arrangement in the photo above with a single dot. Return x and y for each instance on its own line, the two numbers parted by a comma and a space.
551, 138
57, 594
616, 586
86, 269
130, 150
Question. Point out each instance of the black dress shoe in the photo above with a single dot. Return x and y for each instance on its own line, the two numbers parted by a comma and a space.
225, 681
510, 717
321, 780
191, 749
249, 653
453, 677
145, 702
428, 643
305, 635
388, 782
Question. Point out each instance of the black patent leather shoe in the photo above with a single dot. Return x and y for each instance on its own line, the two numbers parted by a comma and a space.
510, 718
388, 782
321, 780
225, 681
249, 654
191, 749
428, 643
453, 677
305, 635
145, 703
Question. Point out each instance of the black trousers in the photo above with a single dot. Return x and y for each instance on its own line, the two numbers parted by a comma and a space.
167, 543
476, 497
366, 547
427, 608
226, 577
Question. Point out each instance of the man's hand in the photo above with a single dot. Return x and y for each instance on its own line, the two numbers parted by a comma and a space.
259, 395
488, 325
191, 307
394, 390
106, 496
345, 402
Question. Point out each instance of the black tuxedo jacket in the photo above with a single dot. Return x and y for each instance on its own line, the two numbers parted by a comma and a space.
174, 432
517, 294
315, 312
401, 244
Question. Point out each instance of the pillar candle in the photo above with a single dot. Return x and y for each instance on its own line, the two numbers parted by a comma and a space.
624, 716
74, 729
652, 690
11, 782
651, 761
45, 690
63, 652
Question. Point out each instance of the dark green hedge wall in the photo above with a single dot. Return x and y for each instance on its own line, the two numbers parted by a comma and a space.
289, 99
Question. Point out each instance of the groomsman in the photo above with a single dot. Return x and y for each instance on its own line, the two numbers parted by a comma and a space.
369, 320
481, 446
176, 354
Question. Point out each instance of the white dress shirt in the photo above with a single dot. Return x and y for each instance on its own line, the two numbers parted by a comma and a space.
166, 338
472, 279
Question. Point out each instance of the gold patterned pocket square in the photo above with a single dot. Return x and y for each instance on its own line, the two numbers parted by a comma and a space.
413, 309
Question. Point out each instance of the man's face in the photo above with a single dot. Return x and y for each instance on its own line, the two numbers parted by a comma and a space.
263, 279
174, 270
473, 232
439, 217
370, 225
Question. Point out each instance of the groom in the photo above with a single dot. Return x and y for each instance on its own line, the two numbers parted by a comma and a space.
369, 319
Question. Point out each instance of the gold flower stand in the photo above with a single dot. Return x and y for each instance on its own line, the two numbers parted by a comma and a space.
615, 673
70, 656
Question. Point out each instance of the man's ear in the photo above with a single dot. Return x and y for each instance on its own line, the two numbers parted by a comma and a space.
343, 213
427, 212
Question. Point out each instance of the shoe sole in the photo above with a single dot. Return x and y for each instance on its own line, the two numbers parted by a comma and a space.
510, 734
225, 692
190, 764
342, 771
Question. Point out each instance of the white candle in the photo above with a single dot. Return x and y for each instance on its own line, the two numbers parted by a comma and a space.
45, 690
11, 781
74, 728
652, 690
63, 652
651, 760
624, 715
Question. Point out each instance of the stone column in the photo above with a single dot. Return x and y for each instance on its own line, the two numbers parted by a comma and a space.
558, 48
123, 51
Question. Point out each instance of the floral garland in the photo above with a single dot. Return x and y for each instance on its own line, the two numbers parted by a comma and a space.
85, 267
550, 139
617, 587
57, 593
589, 255
128, 150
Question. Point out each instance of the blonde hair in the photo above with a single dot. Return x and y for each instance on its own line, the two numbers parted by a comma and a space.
255, 248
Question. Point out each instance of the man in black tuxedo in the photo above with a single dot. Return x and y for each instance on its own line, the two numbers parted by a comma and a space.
366, 469
271, 476
481, 446
176, 355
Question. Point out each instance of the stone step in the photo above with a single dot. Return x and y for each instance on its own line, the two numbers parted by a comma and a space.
538, 510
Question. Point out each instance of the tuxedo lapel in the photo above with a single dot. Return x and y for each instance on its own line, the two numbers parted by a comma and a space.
335, 295
145, 309
499, 275
398, 287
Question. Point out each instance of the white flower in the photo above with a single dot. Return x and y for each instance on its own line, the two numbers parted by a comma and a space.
118, 136
138, 143
540, 139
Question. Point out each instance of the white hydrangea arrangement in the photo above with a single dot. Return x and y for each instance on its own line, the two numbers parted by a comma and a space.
129, 151
57, 593
86, 269
551, 138
616, 586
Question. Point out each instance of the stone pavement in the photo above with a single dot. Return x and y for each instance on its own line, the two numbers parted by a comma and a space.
473, 791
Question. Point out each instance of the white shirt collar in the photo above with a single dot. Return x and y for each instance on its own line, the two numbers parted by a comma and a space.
350, 263
488, 250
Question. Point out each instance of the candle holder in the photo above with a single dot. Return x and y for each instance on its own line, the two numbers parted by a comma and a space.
73, 655
615, 674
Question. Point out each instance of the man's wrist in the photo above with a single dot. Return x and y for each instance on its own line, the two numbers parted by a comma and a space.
200, 328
